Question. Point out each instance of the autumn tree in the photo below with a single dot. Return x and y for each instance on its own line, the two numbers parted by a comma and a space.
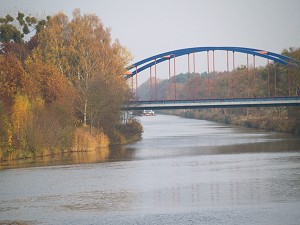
52, 106
13, 79
67, 75
83, 50
53, 43
106, 97
5, 131
20, 118
49, 82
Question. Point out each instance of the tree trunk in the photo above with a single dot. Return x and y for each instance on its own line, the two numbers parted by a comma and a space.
84, 113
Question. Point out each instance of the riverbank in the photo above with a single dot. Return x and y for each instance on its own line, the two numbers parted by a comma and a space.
77, 141
278, 119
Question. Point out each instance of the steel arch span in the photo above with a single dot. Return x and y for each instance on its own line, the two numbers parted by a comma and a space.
159, 58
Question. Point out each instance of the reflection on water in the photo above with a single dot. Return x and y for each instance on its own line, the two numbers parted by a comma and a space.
137, 152
99, 155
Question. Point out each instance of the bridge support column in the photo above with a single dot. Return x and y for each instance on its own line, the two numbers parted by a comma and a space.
150, 80
234, 74
170, 86
174, 77
214, 71
228, 76
194, 65
132, 87
275, 80
268, 77
248, 76
189, 78
136, 84
208, 81
155, 80
254, 77
289, 81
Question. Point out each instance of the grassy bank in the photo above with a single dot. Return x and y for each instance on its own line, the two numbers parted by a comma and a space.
272, 119
79, 140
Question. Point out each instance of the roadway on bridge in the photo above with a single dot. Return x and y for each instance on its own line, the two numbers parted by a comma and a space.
214, 103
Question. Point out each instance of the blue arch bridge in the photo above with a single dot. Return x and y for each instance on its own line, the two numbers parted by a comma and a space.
210, 99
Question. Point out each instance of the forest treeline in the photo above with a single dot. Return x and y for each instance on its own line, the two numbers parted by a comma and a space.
286, 119
61, 86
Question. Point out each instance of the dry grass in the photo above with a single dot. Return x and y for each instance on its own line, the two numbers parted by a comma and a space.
84, 141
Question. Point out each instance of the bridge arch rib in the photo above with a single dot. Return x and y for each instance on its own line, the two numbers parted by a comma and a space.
156, 59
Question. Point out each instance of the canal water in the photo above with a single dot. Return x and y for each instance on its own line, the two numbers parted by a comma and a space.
183, 171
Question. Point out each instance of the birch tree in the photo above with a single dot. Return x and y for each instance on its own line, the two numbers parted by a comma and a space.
83, 50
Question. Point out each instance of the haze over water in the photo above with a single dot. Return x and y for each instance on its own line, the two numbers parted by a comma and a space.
184, 171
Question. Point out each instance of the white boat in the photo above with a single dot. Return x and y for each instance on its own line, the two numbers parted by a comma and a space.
148, 113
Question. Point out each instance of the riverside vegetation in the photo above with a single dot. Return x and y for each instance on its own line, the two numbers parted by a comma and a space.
61, 86
284, 119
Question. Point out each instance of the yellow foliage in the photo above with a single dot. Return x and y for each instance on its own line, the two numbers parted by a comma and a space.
13, 78
50, 83
38, 103
20, 114
84, 141
102, 139
9, 137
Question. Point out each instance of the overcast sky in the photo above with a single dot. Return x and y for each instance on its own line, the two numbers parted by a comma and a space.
149, 27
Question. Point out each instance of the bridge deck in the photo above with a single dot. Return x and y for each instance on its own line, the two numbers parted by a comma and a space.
214, 103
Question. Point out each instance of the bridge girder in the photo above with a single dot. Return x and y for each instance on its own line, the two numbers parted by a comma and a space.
214, 103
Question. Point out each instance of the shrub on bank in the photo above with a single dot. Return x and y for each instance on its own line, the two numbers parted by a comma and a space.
131, 131
84, 141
